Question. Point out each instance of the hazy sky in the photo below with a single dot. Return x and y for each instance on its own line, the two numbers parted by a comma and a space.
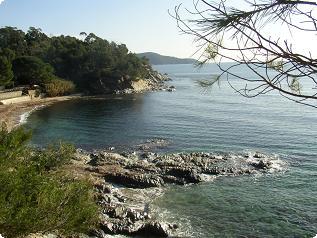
143, 25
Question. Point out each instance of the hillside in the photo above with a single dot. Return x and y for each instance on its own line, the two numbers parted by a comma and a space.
156, 59
61, 64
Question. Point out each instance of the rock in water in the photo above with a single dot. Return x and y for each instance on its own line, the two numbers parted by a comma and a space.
125, 208
130, 180
154, 229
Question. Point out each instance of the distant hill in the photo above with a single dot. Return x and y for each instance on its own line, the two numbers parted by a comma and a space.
156, 59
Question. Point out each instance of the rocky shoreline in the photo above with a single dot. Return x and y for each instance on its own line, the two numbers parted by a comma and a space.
127, 183
155, 82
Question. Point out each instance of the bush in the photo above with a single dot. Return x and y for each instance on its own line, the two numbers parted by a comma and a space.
53, 156
13, 144
59, 87
34, 197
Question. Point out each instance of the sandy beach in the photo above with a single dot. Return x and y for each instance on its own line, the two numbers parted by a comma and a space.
11, 114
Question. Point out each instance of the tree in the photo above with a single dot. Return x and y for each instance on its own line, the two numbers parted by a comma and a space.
37, 42
248, 35
14, 39
93, 64
6, 74
31, 70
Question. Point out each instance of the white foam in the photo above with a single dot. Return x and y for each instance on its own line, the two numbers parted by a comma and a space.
208, 177
277, 165
24, 117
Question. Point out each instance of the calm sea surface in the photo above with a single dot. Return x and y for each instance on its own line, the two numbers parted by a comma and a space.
282, 204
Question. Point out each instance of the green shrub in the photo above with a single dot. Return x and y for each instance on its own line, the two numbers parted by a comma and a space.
13, 144
35, 196
52, 157
59, 87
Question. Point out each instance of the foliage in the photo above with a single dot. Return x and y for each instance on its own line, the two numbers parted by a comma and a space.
247, 35
6, 74
31, 70
12, 144
37, 42
58, 87
13, 39
93, 64
33, 197
62, 153
157, 59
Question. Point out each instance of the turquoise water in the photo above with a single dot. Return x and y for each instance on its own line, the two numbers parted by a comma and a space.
194, 119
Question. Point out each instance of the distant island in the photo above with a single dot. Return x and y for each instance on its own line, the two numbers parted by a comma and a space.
157, 59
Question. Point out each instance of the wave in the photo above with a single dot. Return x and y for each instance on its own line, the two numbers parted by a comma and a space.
273, 162
24, 117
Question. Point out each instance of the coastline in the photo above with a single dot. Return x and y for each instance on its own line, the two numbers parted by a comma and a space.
13, 114
127, 183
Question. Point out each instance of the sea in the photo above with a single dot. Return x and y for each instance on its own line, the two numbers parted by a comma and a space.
213, 119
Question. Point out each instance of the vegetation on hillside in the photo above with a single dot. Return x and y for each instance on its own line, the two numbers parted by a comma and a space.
36, 195
94, 65
157, 59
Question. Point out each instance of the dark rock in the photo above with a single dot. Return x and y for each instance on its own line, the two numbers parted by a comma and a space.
134, 215
94, 159
261, 164
102, 188
109, 228
171, 89
188, 174
99, 233
132, 180
173, 226
142, 167
118, 212
153, 229
103, 199
212, 171
173, 180
119, 197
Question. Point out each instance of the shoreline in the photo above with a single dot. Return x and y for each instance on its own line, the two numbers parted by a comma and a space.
12, 114
127, 183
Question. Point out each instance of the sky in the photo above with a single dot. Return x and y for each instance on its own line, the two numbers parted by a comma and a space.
143, 25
